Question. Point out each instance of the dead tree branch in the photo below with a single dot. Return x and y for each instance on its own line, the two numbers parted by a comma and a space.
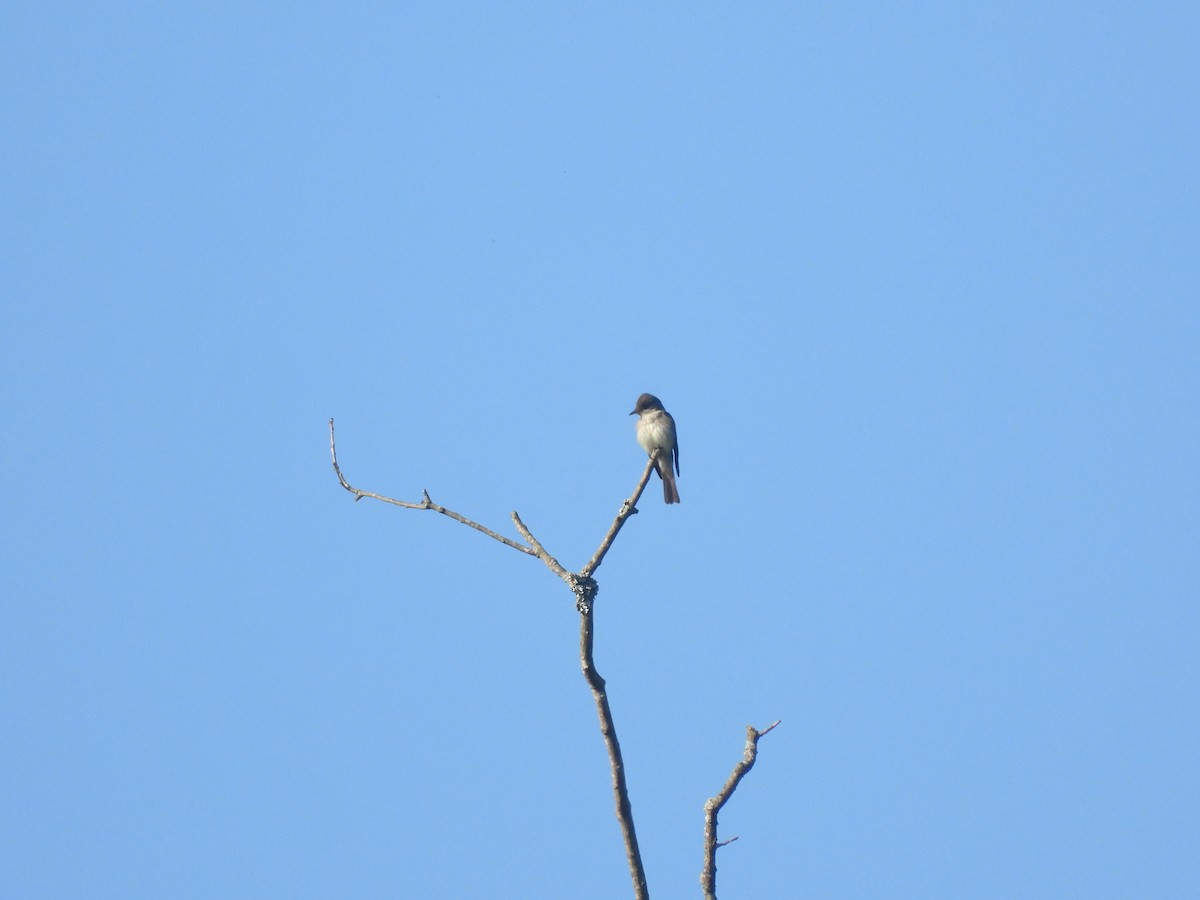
628, 508
584, 587
425, 503
708, 877
609, 730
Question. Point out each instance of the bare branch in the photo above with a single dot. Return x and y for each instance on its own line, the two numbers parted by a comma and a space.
628, 508
585, 589
609, 730
708, 877
541, 553
584, 586
425, 503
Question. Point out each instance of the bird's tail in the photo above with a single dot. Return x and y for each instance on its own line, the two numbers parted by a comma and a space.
670, 492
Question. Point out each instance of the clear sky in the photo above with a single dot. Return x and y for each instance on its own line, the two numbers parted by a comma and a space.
919, 284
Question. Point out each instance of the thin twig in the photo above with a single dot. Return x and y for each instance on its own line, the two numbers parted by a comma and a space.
628, 508
708, 876
541, 553
425, 503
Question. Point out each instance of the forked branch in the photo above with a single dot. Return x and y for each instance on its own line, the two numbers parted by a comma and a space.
708, 876
584, 587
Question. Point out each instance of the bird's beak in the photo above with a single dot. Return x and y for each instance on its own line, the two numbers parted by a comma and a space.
634, 413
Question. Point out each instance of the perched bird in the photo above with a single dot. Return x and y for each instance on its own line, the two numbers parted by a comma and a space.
656, 431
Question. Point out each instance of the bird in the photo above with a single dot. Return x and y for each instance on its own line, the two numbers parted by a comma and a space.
656, 431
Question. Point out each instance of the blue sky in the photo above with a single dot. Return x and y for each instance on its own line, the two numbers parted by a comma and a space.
919, 284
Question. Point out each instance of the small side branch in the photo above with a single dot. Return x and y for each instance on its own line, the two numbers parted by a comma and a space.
541, 553
708, 877
425, 502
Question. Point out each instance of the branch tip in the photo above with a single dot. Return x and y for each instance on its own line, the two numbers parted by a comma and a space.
708, 875
426, 501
